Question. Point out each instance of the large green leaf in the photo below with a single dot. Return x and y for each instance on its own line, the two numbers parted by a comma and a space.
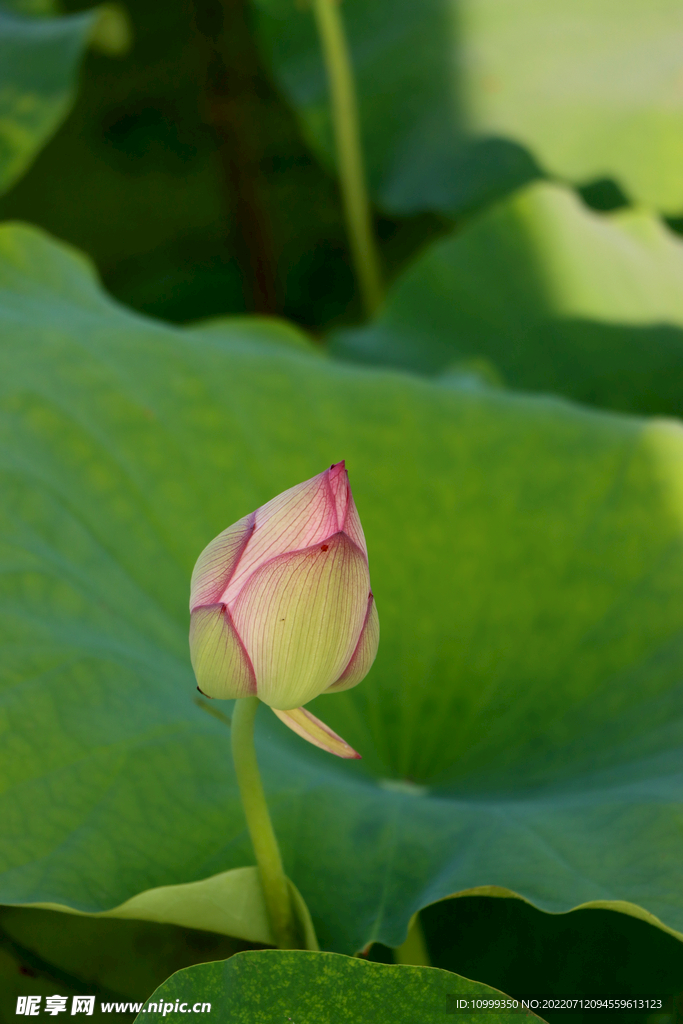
39, 60
325, 988
450, 90
522, 725
558, 297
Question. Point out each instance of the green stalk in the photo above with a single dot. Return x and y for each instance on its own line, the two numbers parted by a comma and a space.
414, 950
273, 879
349, 154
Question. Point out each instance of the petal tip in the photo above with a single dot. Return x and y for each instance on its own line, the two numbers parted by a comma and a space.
310, 728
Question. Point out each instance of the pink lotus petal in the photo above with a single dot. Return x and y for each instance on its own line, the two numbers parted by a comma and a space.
296, 519
279, 600
364, 655
300, 617
352, 527
219, 660
310, 728
340, 492
217, 563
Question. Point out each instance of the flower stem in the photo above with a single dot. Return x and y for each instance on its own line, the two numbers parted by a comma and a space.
264, 842
349, 154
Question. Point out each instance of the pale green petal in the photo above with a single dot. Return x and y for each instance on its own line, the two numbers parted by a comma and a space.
217, 563
219, 660
310, 728
300, 617
364, 654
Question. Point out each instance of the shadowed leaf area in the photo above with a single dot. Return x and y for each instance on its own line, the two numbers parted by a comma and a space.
43, 953
515, 948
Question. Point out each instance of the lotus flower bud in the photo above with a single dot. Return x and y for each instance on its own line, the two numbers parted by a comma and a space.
281, 605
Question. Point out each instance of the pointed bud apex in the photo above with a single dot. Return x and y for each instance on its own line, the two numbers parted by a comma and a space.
281, 603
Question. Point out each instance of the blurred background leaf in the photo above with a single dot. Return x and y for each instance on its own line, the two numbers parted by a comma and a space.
39, 60
32, 8
183, 174
557, 297
459, 99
